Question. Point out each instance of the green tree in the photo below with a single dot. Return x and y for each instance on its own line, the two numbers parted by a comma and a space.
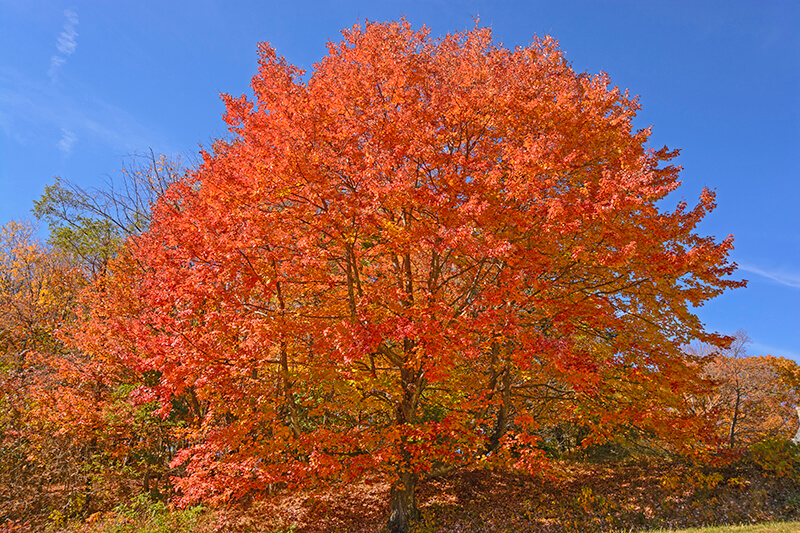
91, 224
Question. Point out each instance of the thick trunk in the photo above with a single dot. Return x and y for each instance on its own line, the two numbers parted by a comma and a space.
501, 424
402, 503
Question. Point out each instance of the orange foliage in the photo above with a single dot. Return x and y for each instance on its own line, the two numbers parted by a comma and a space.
402, 263
68, 430
37, 290
753, 398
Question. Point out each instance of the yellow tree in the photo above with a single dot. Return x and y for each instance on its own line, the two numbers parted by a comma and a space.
37, 290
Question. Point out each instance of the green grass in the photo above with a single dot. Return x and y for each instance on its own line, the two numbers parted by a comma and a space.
772, 527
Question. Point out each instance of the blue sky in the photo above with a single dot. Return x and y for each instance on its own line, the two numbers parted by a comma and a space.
85, 83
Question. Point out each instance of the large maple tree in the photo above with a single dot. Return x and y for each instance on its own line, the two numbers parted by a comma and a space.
401, 263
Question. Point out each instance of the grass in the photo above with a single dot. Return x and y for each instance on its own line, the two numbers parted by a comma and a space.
159, 523
140, 515
771, 527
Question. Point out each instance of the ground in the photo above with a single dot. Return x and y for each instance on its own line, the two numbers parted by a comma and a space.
576, 497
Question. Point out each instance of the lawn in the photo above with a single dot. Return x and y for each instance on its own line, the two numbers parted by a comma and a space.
772, 527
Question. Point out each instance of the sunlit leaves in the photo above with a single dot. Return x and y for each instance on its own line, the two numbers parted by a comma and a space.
412, 261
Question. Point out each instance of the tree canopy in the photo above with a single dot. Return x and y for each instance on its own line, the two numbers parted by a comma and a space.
753, 398
410, 261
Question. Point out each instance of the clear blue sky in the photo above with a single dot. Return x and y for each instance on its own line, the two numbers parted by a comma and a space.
84, 83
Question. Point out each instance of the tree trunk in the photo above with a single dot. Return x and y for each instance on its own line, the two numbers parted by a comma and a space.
402, 503
501, 424
735, 418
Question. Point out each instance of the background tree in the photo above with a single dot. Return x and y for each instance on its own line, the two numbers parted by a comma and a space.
91, 224
74, 431
401, 265
99, 389
753, 397
37, 290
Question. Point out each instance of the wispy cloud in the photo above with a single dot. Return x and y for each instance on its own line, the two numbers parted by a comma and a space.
789, 279
66, 44
68, 138
31, 111
764, 349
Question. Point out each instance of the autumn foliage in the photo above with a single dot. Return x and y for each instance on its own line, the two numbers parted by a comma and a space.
409, 262
428, 254
71, 439
752, 398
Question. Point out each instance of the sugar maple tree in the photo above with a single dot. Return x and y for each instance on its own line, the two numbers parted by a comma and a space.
401, 263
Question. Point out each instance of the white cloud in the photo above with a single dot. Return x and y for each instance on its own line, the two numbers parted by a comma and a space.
31, 110
67, 40
789, 279
66, 44
68, 139
763, 349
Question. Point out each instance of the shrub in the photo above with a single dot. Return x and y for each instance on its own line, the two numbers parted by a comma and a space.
777, 456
